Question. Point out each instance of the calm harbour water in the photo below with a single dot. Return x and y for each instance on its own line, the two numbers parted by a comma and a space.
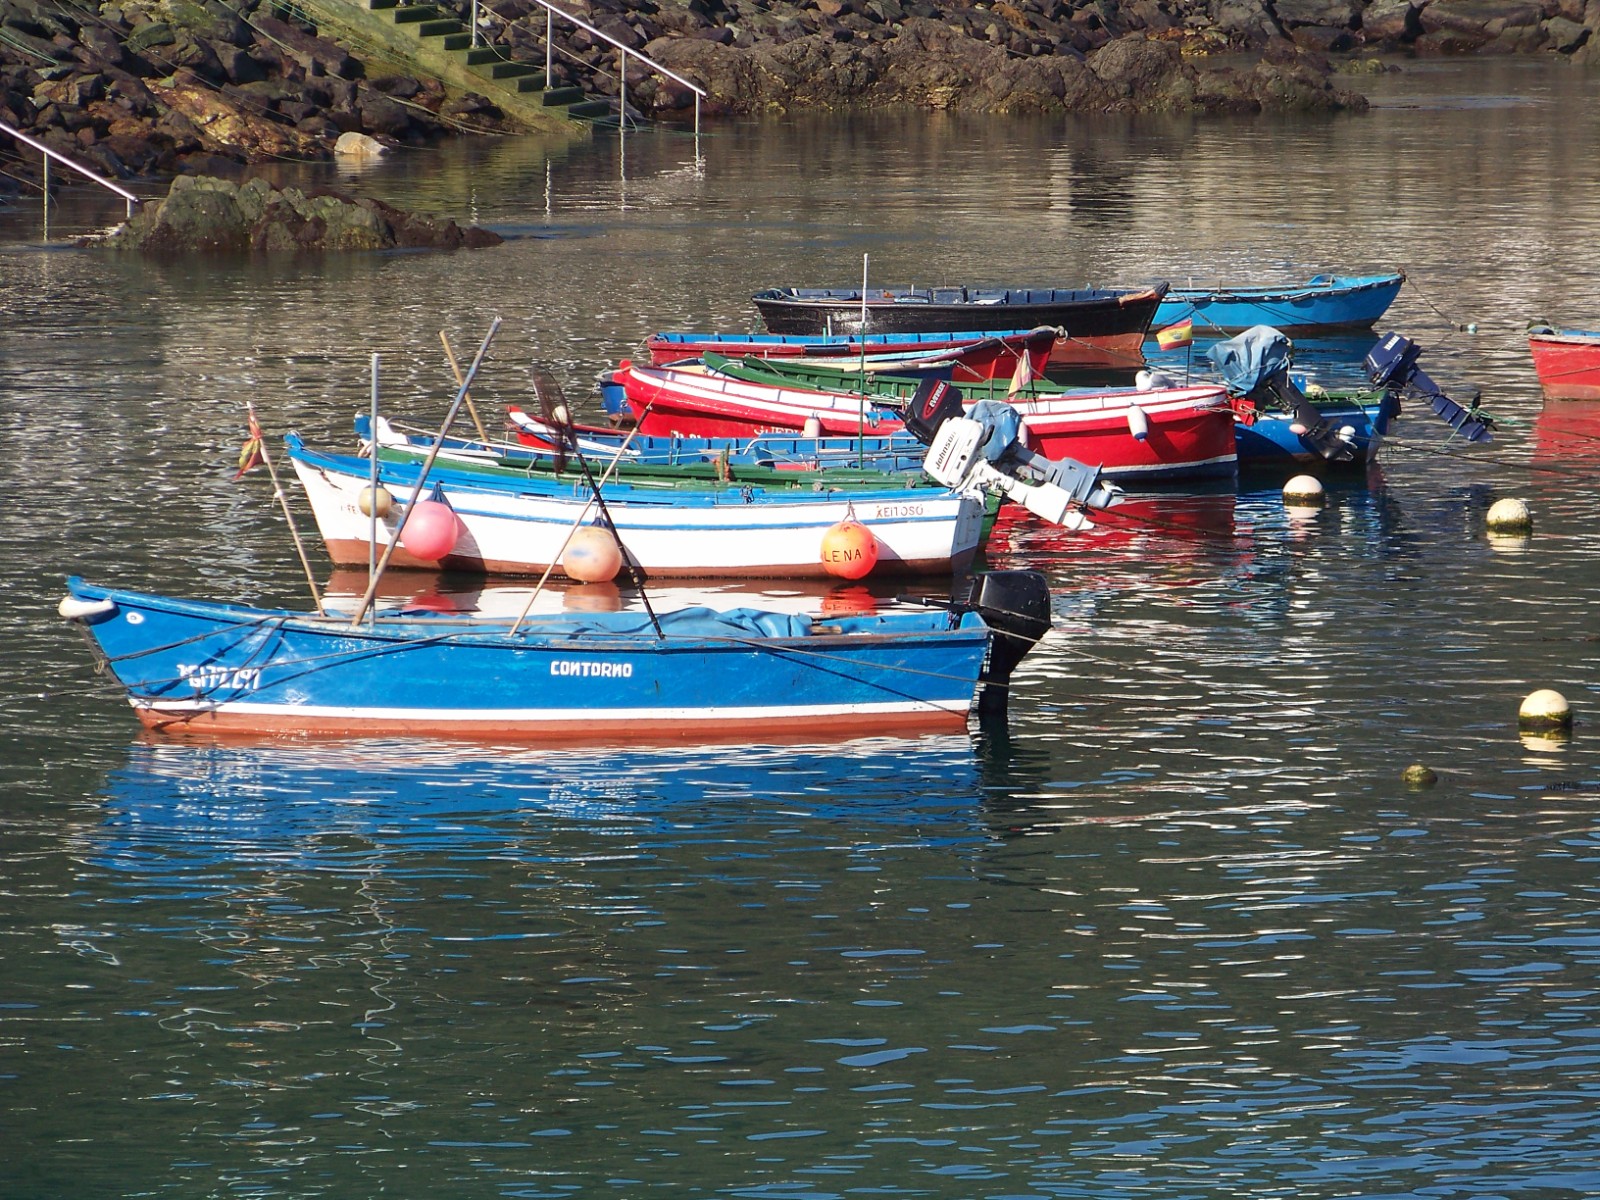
1179, 931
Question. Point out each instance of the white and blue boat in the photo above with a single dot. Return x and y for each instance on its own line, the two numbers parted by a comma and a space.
511, 523
194, 666
1321, 306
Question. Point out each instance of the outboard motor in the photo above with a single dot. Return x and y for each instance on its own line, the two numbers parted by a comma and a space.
1392, 364
1255, 367
935, 402
984, 446
1016, 607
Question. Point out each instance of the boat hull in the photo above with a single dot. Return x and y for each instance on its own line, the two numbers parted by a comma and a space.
200, 667
1271, 441
1103, 328
729, 532
1185, 433
972, 356
1325, 305
1567, 363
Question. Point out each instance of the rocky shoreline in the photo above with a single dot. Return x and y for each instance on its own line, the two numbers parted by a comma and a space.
139, 88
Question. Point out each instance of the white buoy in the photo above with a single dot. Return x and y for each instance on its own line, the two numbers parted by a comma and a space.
812, 428
560, 415
1138, 423
1545, 709
1304, 491
1509, 516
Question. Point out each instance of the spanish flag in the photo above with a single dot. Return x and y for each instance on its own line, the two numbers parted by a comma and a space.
250, 454
1176, 336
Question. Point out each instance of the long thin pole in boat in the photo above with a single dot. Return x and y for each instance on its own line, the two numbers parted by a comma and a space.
861, 413
472, 410
422, 475
583, 513
564, 428
283, 503
372, 486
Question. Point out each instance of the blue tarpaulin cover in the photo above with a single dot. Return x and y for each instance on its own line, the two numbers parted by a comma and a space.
1250, 359
697, 622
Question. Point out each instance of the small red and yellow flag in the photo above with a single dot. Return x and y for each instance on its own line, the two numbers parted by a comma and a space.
1177, 336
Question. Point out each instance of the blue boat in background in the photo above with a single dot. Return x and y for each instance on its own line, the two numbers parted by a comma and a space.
1323, 305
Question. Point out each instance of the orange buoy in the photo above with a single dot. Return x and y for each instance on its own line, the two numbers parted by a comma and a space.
849, 550
592, 556
430, 530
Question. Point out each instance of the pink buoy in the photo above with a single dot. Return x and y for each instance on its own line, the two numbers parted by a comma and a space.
849, 550
592, 556
430, 531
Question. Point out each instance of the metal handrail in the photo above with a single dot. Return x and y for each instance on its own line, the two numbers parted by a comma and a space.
63, 159
551, 12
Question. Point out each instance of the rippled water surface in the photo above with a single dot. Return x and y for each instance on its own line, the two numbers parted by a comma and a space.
1177, 930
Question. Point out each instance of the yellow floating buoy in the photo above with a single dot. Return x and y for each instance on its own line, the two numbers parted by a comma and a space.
1545, 709
375, 503
849, 550
592, 556
1304, 491
1509, 516
1418, 775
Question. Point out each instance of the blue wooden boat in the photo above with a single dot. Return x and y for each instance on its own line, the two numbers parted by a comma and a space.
201, 666
1322, 305
1281, 420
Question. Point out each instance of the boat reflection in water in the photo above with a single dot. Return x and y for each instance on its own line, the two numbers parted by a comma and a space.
1567, 432
188, 806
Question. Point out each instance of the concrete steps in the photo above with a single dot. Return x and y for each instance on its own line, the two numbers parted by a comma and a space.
524, 78
438, 44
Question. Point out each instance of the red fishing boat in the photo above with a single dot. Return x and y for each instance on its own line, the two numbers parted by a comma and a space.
1132, 435
1567, 362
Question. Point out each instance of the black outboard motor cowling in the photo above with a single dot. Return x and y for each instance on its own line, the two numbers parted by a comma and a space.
936, 401
1016, 607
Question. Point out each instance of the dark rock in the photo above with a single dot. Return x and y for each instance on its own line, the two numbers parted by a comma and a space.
1321, 39
209, 215
196, 56
1461, 24
239, 65
1249, 22
401, 87
316, 55
1336, 14
1564, 35
1390, 21
382, 116
151, 35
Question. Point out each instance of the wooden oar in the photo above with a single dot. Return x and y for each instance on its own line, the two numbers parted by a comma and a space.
422, 475
472, 410
577, 524
554, 404
283, 502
